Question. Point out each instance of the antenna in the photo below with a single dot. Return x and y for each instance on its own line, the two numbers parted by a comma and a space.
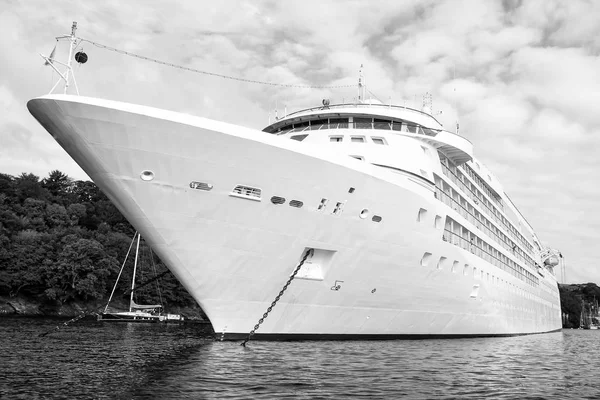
427, 103
361, 85
454, 89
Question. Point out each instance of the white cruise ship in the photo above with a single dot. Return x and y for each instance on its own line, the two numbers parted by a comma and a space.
411, 235
399, 230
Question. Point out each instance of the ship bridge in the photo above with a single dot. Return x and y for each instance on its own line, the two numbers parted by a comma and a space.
398, 120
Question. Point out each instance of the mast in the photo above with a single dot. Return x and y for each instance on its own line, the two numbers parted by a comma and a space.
137, 251
68, 74
73, 41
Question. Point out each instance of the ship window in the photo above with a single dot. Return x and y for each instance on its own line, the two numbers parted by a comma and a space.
425, 259
357, 139
316, 124
378, 140
336, 138
322, 204
364, 213
376, 218
299, 137
296, 203
246, 192
277, 200
454, 266
200, 185
466, 270
397, 125
475, 291
381, 124
412, 128
301, 125
363, 123
338, 208
338, 123
421, 215
441, 262
361, 158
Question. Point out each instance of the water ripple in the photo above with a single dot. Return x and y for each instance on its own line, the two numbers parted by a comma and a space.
129, 361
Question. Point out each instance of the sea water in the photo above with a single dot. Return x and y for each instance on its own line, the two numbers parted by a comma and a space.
89, 359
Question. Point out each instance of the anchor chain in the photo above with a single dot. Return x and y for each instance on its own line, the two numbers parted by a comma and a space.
77, 318
260, 321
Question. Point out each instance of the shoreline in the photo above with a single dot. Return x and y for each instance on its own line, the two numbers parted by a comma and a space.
25, 306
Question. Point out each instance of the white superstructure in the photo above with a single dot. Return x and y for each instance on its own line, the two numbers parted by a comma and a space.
411, 235
407, 234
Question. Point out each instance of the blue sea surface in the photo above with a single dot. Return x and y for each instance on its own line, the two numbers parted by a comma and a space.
90, 359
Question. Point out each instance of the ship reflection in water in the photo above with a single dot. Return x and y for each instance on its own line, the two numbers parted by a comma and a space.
92, 360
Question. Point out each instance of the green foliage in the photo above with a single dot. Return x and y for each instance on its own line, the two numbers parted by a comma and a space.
572, 298
63, 240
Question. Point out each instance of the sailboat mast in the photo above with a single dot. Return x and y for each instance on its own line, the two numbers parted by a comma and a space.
137, 251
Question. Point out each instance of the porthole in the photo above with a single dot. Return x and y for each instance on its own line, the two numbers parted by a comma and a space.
277, 200
364, 213
376, 218
147, 175
296, 203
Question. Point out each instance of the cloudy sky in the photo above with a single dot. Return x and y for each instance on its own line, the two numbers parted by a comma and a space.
522, 77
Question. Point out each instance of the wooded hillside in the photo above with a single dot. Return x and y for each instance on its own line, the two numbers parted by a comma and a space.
63, 240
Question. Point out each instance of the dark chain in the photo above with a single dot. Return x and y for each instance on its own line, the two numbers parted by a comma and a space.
77, 318
260, 321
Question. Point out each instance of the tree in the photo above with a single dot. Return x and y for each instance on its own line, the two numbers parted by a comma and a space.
56, 216
7, 185
29, 186
58, 185
80, 271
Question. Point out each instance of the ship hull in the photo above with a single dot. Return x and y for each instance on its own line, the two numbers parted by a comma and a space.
392, 278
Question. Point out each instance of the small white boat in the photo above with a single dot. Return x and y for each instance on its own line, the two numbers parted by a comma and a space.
137, 312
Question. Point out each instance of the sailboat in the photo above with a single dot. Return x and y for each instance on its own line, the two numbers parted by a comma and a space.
137, 312
594, 315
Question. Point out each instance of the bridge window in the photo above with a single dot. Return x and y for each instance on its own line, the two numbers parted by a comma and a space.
338, 123
317, 124
381, 124
363, 123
